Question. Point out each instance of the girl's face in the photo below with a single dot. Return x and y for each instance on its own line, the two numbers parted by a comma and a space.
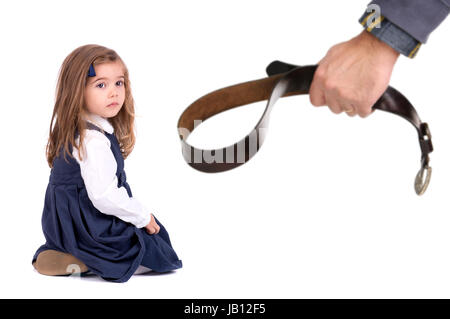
105, 92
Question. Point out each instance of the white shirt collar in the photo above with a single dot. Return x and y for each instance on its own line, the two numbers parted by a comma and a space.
100, 122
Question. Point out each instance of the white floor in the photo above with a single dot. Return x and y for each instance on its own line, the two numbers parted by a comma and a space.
310, 228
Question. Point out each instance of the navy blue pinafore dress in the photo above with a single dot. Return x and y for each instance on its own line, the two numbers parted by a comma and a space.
109, 246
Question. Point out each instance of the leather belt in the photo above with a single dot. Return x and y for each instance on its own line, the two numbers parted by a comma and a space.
283, 80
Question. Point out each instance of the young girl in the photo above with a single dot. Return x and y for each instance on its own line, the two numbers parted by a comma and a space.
90, 220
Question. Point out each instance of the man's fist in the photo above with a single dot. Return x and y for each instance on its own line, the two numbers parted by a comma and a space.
353, 75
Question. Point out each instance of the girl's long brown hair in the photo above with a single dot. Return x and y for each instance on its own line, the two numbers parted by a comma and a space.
69, 110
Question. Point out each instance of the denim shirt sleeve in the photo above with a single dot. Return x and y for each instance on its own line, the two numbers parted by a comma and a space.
416, 17
389, 33
405, 25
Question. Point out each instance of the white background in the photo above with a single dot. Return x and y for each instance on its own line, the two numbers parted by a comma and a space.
335, 217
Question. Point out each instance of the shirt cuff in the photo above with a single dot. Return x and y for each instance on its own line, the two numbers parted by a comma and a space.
386, 31
144, 222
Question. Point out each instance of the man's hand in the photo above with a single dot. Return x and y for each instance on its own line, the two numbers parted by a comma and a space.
152, 227
353, 75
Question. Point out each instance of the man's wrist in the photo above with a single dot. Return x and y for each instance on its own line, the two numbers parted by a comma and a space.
377, 45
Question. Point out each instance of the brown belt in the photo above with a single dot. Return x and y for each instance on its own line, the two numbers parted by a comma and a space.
283, 80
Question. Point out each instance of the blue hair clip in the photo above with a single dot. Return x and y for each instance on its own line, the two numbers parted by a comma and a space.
91, 72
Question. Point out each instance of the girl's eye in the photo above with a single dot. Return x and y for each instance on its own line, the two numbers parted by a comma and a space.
102, 85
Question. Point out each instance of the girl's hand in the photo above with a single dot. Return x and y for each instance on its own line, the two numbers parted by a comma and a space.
152, 227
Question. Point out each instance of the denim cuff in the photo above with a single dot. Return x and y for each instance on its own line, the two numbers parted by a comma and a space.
386, 31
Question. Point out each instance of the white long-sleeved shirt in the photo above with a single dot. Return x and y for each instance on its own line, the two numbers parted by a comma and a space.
98, 170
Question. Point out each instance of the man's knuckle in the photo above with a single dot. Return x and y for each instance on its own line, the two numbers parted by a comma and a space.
329, 84
320, 73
